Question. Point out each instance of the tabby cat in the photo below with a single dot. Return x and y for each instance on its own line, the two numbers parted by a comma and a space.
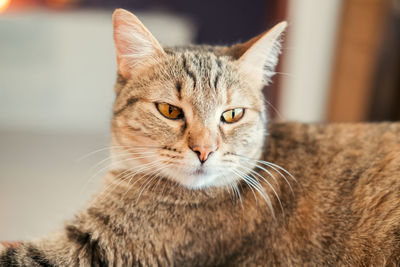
198, 177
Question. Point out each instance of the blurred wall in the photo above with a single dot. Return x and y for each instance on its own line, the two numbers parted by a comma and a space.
57, 70
308, 59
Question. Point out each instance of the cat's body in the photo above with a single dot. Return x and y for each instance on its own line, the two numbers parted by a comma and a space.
194, 182
344, 211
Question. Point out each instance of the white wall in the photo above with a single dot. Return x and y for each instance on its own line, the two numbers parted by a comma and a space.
308, 59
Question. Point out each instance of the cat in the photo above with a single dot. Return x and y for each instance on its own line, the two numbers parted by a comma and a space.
200, 177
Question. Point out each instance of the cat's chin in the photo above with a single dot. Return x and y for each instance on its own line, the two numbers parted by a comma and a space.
200, 179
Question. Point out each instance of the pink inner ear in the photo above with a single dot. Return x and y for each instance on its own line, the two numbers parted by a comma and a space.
135, 45
243, 47
121, 44
260, 54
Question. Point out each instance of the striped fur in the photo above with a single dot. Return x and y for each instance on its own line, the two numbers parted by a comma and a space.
160, 206
344, 211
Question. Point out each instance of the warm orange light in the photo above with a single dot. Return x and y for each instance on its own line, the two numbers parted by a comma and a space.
4, 4
58, 3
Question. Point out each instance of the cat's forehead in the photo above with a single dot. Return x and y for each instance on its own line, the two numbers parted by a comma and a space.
206, 70
202, 77
200, 64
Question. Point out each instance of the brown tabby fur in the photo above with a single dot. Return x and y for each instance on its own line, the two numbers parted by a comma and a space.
345, 210
342, 209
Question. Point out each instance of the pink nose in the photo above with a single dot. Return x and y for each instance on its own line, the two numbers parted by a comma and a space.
203, 152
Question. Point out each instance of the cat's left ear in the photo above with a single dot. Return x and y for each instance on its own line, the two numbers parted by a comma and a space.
136, 46
259, 55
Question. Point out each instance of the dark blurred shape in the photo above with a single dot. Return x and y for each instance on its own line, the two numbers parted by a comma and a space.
225, 21
385, 104
278, 11
362, 28
218, 21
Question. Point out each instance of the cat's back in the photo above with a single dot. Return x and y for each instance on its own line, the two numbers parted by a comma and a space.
347, 202
340, 147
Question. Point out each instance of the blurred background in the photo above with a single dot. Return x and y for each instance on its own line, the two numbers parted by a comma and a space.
340, 63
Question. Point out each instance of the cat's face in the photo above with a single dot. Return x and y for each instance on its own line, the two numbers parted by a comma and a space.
193, 114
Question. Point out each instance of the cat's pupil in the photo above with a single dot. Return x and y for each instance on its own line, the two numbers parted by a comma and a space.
233, 113
170, 109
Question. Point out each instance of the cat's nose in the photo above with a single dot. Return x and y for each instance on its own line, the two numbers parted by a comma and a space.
203, 152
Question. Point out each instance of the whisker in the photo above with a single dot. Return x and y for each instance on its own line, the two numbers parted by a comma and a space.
102, 169
260, 190
281, 168
105, 190
238, 193
109, 147
93, 152
121, 161
235, 187
229, 188
283, 176
267, 171
269, 184
273, 166
272, 176
160, 178
230, 191
121, 155
273, 108
285, 73
150, 180
243, 178
151, 174
142, 168
128, 172
121, 178
276, 166
155, 172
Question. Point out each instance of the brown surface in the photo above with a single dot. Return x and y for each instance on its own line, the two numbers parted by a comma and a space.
358, 45
386, 88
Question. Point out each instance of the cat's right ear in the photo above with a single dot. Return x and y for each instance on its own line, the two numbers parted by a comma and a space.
136, 46
259, 56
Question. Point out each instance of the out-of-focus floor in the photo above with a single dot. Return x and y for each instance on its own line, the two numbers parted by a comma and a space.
43, 182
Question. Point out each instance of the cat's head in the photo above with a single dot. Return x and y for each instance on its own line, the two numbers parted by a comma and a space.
191, 114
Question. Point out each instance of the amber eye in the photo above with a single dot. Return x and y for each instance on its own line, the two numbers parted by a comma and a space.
232, 115
169, 111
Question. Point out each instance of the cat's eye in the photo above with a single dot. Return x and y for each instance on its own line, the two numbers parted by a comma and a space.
169, 111
232, 115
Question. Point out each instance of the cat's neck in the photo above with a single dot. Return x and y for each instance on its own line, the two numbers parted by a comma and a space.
172, 211
161, 190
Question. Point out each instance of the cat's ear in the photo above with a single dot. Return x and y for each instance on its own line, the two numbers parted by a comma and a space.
135, 45
259, 55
